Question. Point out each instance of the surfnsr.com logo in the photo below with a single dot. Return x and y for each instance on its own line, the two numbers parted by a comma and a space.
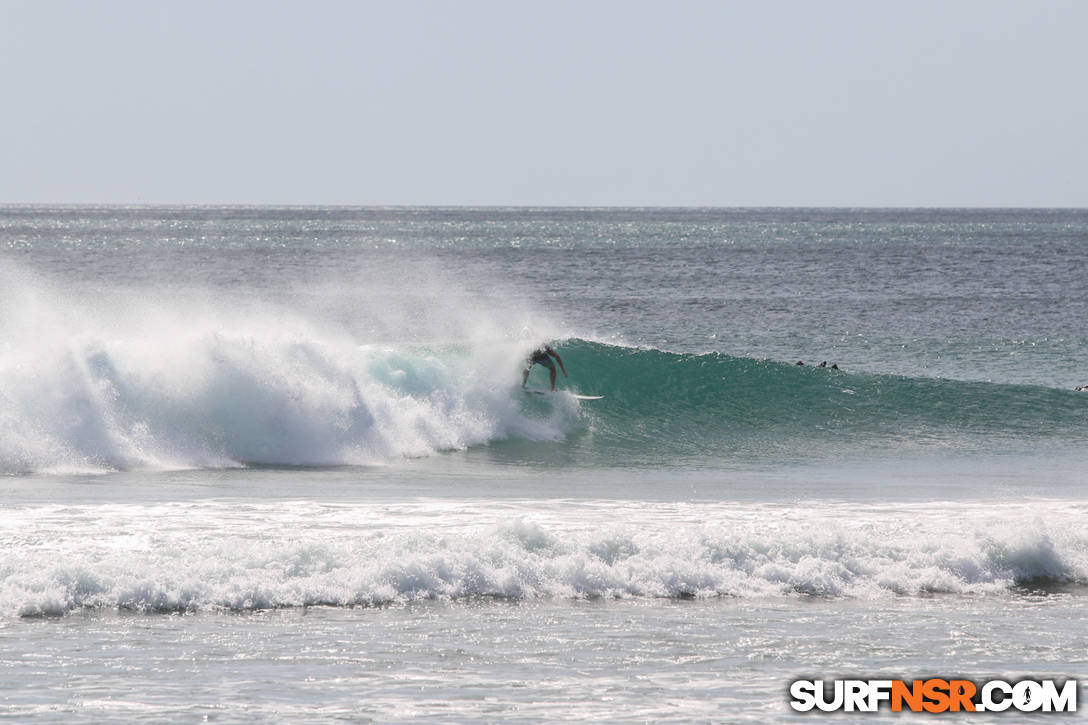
934, 695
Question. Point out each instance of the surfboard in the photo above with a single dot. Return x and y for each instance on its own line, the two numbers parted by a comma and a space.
576, 396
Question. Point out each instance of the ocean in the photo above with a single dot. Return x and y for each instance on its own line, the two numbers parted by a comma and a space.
274, 464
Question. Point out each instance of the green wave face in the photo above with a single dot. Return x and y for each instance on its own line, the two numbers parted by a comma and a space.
713, 407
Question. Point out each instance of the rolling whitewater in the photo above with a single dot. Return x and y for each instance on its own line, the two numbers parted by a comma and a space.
295, 439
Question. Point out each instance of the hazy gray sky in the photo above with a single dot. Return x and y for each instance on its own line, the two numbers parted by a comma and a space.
867, 103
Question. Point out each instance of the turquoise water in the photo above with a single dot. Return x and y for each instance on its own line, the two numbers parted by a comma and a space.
282, 454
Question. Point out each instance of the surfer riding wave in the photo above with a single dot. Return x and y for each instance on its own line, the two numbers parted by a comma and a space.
542, 356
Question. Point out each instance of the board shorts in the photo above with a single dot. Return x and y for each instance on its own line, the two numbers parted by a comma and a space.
541, 357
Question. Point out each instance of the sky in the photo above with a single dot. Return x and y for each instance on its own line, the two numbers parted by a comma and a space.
585, 103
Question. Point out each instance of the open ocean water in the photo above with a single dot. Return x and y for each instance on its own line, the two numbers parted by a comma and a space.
274, 464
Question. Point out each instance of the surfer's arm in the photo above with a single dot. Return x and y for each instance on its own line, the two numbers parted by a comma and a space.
559, 360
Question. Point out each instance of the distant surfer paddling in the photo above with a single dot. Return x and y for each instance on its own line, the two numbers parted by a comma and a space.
542, 356
834, 366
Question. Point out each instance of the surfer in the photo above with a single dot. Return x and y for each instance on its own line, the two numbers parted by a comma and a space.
542, 356
834, 366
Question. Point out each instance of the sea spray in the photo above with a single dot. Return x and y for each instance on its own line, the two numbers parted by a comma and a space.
127, 382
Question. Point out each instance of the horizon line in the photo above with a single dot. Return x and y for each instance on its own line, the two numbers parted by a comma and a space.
314, 205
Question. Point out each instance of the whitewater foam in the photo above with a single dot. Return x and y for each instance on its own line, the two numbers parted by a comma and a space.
134, 383
240, 556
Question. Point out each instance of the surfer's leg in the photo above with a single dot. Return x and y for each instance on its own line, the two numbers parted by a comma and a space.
525, 376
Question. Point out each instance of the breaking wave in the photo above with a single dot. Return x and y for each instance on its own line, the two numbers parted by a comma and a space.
136, 384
